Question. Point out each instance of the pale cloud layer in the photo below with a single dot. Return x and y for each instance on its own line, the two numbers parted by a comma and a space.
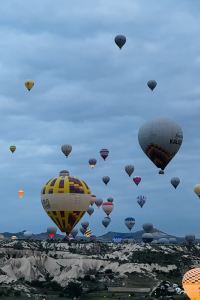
92, 95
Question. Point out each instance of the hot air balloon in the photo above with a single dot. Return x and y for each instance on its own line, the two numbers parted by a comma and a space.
110, 199
92, 162
141, 200
137, 180
104, 153
29, 84
160, 140
93, 199
66, 149
98, 202
163, 240
172, 240
148, 227
147, 237
65, 199
175, 182
20, 193
190, 239
129, 169
107, 207
2, 237
191, 283
12, 148
27, 234
74, 232
106, 221
90, 210
129, 222
152, 84
120, 40
51, 231
197, 189
106, 179
13, 237
85, 224
83, 230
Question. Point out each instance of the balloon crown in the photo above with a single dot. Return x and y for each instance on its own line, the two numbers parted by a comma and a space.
64, 173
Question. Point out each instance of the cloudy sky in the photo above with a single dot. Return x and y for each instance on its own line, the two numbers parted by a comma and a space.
91, 95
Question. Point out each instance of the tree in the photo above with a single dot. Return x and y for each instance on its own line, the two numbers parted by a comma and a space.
74, 289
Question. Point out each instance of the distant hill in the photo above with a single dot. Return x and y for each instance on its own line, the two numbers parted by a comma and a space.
108, 237
137, 236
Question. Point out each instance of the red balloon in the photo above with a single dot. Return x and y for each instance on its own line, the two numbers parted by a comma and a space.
137, 180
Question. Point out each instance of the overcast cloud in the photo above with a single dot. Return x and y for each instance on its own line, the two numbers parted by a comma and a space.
91, 95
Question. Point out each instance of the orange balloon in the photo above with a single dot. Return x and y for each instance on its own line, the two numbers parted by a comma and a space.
191, 283
20, 193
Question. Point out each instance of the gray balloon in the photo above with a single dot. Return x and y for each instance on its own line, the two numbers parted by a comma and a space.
148, 227
98, 202
106, 221
106, 179
90, 210
147, 237
175, 182
172, 240
129, 169
190, 238
163, 241
85, 224
74, 232
27, 234
152, 84
120, 40
66, 149
160, 140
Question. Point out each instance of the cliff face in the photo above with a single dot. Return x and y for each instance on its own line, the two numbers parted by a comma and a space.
112, 264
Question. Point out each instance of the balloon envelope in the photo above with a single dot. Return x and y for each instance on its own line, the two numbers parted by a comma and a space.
160, 140
98, 202
141, 200
107, 207
12, 148
129, 169
175, 182
137, 180
85, 224
106, 179
27, 234
106, 221
92, 162
20, 193
29, 84
148, 227
65, 199
66, 149
120, 40
90, 210
152, 84
104, 153
129, 222
191, 283
197, 190
110, 199
147, 237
